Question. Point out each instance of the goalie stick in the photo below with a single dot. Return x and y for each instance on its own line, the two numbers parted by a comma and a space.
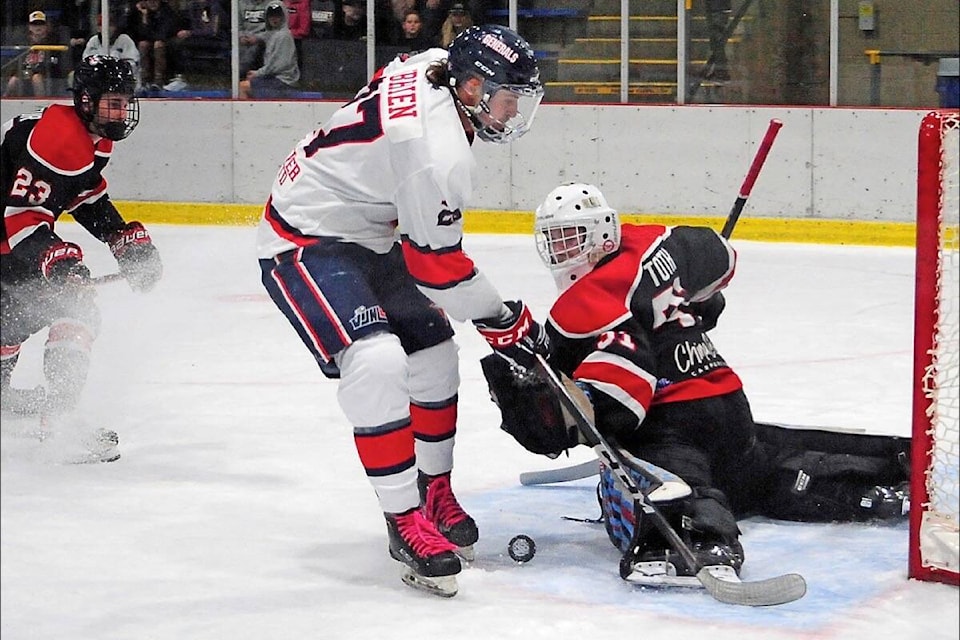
772, 591
563, 474
772, 129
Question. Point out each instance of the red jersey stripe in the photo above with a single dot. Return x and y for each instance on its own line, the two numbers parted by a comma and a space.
435, 269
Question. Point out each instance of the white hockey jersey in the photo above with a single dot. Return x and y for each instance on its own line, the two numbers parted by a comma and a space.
392, 164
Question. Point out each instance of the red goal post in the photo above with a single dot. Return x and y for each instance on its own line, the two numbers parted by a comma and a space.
935, 464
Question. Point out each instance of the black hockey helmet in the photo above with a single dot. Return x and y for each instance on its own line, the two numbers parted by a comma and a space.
506, 63
96, 76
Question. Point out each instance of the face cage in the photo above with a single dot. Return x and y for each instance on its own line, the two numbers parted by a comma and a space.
576, 247
115, 129
500, 132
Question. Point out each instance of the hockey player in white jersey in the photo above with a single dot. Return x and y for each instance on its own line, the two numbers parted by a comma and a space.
360, 248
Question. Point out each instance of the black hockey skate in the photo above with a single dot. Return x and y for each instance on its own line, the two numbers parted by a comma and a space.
67, 439
430, 563
441, 508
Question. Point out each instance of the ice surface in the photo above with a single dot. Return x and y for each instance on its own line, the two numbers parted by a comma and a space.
239, 509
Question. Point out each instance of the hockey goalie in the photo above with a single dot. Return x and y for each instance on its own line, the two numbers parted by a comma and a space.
629, 333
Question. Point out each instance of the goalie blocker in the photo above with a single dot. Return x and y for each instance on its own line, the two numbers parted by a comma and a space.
801, 474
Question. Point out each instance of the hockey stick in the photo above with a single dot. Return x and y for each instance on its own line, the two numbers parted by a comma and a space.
773, 591
106, 278
747, 186
563, 474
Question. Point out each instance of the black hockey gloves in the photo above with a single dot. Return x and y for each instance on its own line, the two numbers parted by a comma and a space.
709, 310
137, 257
62, 264
530, 410
514, 334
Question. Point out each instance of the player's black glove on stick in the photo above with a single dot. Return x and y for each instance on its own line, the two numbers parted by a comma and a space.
137, 257
514, 334
62, 264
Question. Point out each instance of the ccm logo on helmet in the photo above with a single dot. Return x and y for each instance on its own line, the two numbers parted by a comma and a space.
495, 43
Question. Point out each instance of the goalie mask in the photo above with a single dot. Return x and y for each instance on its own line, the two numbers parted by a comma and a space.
103, 96
574, 229
511, 91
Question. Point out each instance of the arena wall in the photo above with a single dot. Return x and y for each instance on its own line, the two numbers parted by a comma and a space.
830, 170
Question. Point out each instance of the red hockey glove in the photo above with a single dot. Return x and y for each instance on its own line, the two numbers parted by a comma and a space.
137, 257
514, 334
62, 263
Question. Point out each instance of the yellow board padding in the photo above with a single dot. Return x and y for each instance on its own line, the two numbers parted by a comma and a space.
803, 230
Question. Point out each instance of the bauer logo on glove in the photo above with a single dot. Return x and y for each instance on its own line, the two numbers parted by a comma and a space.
137, 257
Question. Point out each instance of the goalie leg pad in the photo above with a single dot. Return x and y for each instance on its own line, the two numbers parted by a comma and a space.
814, 486
529, 409
704, 520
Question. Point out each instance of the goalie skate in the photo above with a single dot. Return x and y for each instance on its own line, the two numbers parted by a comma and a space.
664, 574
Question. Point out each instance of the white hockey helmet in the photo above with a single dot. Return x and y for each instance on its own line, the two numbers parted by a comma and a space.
575, 228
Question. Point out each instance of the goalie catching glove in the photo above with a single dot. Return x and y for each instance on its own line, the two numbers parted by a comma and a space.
137, 257
530, 410
514, 334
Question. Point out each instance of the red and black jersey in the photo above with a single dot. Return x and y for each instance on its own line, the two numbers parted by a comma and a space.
51, 164
629, 327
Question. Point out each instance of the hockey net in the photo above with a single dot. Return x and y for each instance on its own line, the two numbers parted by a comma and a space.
935, 465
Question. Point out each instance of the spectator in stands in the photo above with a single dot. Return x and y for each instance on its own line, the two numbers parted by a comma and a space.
298, 20
718, 14
390, 20
156, 24
253, 26
458, 19
204, 33
433, 13
351, 22
122, 46
321, 18
279, 74
76, 18
40, 72
413, 37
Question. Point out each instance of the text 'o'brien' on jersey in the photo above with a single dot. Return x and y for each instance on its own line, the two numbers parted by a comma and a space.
51, 164
393, 164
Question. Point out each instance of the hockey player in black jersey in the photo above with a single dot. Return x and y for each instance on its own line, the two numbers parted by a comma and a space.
52, 163
630, 328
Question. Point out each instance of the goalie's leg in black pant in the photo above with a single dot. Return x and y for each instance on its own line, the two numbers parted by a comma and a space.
693, 439
817, 475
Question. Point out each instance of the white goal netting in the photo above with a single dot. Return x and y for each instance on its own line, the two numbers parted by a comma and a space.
935, 537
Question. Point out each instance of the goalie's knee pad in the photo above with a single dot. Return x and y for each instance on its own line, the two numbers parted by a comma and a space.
373, 381
703, 517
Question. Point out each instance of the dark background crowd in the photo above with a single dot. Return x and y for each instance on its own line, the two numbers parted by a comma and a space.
176, 39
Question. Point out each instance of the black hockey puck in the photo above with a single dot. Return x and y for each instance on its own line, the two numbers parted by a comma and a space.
522, 548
